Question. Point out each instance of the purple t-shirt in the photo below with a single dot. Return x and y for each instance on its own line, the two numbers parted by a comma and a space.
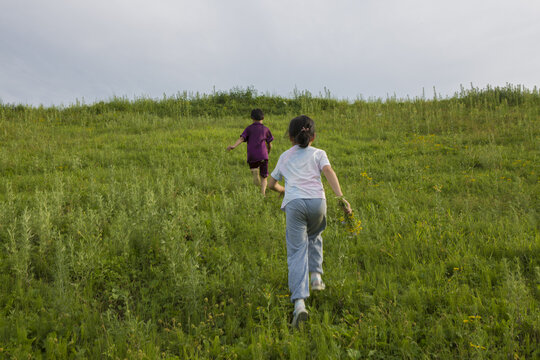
257, 135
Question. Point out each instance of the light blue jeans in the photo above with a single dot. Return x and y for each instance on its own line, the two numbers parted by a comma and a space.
306, 219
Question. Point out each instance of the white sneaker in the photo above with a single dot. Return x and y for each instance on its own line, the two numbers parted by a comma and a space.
318, 284
299, 317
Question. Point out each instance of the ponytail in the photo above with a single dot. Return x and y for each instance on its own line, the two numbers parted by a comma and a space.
302, 130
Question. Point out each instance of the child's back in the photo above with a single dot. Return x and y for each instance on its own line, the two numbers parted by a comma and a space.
257, 136
301, 168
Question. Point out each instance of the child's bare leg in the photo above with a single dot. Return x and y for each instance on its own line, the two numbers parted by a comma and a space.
263, 185
256, 177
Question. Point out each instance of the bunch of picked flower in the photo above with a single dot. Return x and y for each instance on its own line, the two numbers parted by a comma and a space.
352, 224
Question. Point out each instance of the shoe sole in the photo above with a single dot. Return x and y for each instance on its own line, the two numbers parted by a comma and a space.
299, 318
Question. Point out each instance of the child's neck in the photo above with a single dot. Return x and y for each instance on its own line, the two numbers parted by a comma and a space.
257, 121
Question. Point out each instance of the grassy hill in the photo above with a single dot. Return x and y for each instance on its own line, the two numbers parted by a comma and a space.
127, 231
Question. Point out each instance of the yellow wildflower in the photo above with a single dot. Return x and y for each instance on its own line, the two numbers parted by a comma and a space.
477, 346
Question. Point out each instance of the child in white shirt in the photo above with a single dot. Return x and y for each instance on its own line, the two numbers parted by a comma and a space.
304, 203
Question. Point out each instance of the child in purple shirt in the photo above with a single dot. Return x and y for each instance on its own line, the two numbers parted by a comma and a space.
259, 143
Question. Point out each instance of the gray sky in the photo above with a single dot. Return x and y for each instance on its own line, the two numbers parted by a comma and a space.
57, 51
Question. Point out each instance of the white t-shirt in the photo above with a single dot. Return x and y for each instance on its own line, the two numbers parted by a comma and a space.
301, 168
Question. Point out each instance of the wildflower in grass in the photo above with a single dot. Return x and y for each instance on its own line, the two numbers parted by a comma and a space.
477, 346
365, 175
472, 319
368, 178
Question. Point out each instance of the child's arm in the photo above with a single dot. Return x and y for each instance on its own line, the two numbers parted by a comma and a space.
238, 142
269, 146
334, 184
274, 185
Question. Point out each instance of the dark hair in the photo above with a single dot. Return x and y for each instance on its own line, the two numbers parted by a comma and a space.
257, 114
302, 130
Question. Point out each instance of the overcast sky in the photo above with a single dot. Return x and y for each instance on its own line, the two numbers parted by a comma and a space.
56, 51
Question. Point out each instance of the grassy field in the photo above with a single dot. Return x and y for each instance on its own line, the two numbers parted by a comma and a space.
127, 230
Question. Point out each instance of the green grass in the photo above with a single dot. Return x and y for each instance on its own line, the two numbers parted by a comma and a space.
127, 231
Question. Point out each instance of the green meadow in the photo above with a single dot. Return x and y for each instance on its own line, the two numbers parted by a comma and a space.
127, 230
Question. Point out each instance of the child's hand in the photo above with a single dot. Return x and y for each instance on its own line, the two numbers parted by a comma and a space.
345, 205
230, 147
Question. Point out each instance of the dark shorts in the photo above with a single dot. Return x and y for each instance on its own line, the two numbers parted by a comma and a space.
262, 165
